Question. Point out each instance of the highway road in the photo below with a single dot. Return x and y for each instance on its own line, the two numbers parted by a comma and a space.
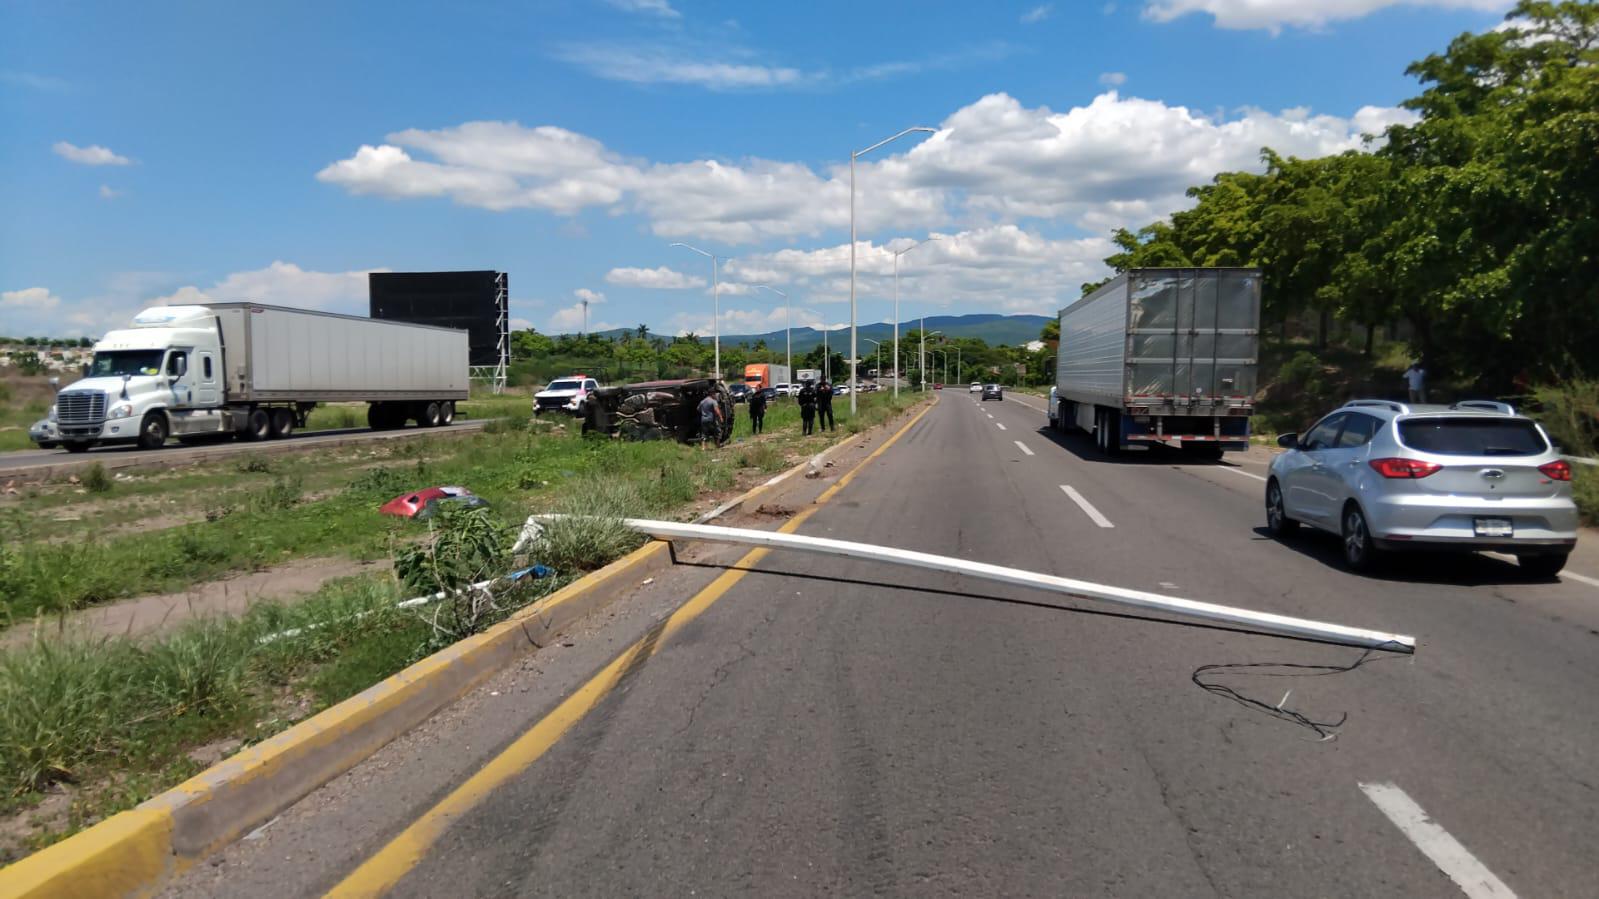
811, 726
127, 455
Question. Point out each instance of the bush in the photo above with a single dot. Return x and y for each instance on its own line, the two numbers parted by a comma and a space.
1570, 412
284, 493
254, 465
95, 480
594, 535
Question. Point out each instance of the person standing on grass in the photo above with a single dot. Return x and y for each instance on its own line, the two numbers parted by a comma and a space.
757, 411
824, 405
807, 404
1416, 380
710, 420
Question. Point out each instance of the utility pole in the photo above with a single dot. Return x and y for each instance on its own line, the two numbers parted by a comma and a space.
897, 372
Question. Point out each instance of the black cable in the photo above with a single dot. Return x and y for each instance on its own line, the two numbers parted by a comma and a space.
1325, 730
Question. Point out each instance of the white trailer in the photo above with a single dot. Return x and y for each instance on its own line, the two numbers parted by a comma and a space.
1161, 356
255, 371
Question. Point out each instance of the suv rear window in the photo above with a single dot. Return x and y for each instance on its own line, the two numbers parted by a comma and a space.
1473, 436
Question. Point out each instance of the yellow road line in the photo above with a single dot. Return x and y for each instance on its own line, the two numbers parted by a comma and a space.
379, 874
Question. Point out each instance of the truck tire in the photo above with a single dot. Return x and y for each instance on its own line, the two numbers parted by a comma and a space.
153, 431
282, 423
429, 415
257, 425
73, 447
447, 413
378, 417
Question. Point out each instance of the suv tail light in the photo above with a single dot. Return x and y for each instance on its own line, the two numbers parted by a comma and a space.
1404, 468
1558, 470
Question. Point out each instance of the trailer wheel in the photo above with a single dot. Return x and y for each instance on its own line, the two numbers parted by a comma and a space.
74, 447
429, 415
447, 413
258, 425
282, 423
153, 431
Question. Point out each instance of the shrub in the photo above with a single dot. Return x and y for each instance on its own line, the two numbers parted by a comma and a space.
254, 465
95, 480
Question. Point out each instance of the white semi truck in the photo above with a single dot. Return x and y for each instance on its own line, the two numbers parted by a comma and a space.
1161, 356
255, 372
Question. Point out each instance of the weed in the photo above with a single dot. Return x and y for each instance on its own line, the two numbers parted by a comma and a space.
254, 465
763, 456
593, 535
282, 494
95, 480
383, 482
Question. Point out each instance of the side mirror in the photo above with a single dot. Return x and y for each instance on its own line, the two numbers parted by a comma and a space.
1288, 441
55, 385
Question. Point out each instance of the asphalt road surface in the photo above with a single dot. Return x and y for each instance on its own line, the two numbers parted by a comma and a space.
844, 728
128, 454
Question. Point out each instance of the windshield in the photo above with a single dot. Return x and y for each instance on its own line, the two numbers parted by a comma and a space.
116, 363
564, 385
1473, 436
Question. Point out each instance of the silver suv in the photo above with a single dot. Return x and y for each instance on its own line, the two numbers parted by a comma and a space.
1389, 476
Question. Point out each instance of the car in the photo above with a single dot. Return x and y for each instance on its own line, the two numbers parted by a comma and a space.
977, 387
770, 393
783, 389
424, 504
993, 392
569, 395
938, 386
740, 392
44, 434
841, 390
1387, 476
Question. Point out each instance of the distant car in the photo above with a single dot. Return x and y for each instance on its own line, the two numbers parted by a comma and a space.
784, 389
977, 387
938, 386
993, 392
841, 390
426, 503
44, 434
770, 393
1386, 476
569, 395
740, 392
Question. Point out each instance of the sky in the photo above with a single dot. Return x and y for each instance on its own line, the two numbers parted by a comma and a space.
163, 152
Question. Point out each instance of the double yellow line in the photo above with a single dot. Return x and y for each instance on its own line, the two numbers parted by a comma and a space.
379, 874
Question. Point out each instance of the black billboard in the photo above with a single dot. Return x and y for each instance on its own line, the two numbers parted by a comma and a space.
470, 301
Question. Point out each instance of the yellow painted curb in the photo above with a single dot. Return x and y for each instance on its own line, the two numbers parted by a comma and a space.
126, 854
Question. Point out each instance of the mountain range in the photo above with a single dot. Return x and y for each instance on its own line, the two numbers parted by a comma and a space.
996, 330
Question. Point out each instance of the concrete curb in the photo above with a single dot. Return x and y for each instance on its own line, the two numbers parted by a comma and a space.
132, 853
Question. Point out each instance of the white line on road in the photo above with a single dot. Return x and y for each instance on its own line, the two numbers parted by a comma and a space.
1472, 876
990, 415
1087, 507
999, 424
1580, 578
1241, 471
1023, 447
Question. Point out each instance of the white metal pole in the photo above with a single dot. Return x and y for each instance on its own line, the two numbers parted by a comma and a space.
1262, 622
921, 355
826, 358
851, 285
716, 323
896, 325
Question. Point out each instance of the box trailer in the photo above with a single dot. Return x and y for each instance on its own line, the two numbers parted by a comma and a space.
255, 371
1161, 356
758, 375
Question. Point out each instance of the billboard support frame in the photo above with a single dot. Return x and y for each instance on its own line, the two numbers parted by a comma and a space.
498, 373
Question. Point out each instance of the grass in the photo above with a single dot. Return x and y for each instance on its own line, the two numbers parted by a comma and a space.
116, 718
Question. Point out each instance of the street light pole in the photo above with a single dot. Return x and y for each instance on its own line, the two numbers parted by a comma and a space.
896, 308
716, 299
921, 359
879, 354
788, 327
852, 157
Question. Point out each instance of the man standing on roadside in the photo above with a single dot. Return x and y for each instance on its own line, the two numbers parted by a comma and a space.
710, 420
824, 405
758, 411
807, 404
1416, 380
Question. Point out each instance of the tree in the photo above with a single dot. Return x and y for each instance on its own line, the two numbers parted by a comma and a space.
529, 344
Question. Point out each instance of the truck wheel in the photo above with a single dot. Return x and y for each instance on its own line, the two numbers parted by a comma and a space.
258, 425
153, 431
77, 447
429, 416
378, 417
282, 423
447, 413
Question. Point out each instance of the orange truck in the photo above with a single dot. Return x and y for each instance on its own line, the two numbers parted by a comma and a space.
759, 375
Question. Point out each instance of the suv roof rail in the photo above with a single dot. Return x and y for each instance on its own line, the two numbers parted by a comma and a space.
1393, 405
1485, 406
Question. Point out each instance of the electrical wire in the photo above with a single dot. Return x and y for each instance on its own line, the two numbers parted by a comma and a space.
1324, 730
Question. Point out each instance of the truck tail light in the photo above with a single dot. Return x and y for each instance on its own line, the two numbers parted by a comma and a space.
1404, 468
1558, 470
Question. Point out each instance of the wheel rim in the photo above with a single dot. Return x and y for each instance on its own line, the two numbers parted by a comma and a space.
1355, 536
1274, 507
152, 428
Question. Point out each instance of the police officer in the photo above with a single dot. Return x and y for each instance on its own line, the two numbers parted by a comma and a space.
758, 411
807, 404
824, 405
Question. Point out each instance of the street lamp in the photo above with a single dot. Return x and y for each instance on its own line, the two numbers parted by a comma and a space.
852, 157
921, 358
879, 354
716, 298
788, 328
896, 308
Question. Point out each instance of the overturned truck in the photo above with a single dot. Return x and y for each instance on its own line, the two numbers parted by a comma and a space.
658, 410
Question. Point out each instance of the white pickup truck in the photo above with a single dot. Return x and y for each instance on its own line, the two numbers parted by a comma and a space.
569, 395
254, 371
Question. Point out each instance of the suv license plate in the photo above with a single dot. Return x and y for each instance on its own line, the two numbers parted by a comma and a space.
1493, 527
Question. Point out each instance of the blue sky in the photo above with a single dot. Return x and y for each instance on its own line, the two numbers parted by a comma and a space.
162, 151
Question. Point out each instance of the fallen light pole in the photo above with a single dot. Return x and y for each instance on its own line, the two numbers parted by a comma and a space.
1264, 622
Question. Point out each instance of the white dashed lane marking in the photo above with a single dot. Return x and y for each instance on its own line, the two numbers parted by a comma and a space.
1455, 860
1023, 447
1087, 507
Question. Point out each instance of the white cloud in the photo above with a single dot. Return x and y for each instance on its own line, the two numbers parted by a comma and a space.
665, 65
283, 284
1037, 14
570, 318
1274, 15
661, 278
33, 298
90, 155
1113, 79
1115, 161
107, 192
592, 296
34, 81
660, 8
